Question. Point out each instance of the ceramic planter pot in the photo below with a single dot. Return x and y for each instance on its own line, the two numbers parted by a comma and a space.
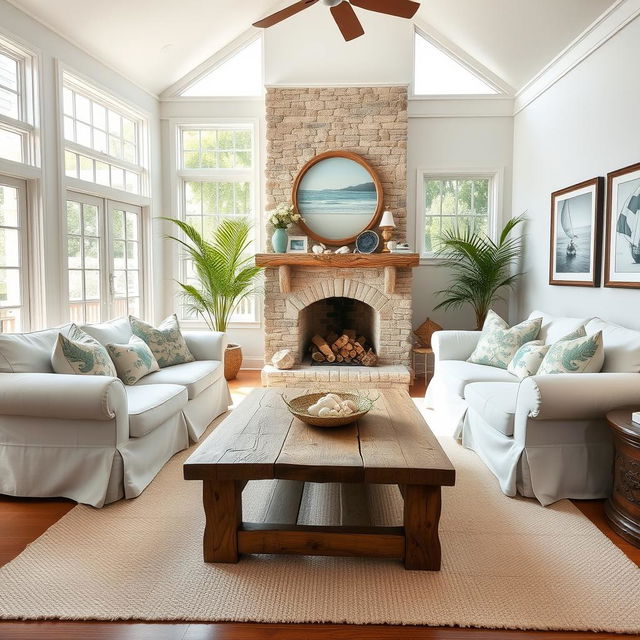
232, 361
279, 240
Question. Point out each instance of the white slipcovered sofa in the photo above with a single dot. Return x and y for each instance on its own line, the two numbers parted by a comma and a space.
544, 436
91, 438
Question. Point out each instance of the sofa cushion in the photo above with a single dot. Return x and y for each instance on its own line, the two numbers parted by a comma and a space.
458, 374
29, 352
166, 341
152, 405
495, 402
195, 376
582, 355
528, 359
133, 360
555, 328
621, 346
499, 343
116, 331
81, 354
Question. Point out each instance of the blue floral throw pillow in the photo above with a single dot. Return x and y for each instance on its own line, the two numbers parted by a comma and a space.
166, 342
133, 360
582, 355
498, 343
80, 354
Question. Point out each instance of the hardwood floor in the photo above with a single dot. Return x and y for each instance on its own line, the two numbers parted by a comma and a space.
22, 521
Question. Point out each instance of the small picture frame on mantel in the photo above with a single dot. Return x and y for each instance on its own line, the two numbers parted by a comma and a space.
298, 244
576, 234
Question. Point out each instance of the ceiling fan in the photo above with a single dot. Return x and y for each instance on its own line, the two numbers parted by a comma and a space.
343, 13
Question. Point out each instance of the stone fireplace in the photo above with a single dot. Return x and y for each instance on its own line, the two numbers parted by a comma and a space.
305, 292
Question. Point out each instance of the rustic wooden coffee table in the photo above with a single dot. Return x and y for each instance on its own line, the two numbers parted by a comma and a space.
262, 440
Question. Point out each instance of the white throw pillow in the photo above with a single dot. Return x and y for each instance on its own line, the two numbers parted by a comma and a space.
166, 342
133, 360
582, 355
554, 328
621, 346
80, 354
29, 352
499, 343
528, 359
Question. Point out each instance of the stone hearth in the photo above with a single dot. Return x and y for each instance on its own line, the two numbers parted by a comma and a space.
286, 325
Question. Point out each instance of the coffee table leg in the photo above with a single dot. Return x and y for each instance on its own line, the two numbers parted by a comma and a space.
422, 507
223, 511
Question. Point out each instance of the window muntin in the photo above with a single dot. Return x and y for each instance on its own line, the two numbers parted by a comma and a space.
437, 73
216, 167
13, 268
104, 259
104, 142
455, 203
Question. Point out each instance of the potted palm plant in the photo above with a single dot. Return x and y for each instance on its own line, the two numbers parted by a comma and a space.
481, 268
225, 274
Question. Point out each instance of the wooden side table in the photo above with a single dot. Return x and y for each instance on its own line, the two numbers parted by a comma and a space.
623, 507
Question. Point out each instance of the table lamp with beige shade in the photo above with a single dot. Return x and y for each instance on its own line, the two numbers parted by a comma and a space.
387, 225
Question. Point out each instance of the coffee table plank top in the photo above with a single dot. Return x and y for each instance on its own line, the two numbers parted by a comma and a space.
261, 439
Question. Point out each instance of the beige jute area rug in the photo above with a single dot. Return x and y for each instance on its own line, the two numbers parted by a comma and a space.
507, 563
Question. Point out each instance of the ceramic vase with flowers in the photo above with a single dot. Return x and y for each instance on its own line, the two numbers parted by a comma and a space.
282, 218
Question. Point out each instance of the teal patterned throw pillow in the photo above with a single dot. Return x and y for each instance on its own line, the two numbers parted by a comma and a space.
582, 355
81, 354
133, 361
528, 359
498, 343
166, 342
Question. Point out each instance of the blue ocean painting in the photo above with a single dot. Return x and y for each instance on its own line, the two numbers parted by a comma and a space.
362, 199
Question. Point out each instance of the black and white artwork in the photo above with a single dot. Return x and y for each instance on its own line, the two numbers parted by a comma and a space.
623, 228
576, 214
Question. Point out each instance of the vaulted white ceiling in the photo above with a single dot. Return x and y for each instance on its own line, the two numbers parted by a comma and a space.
157, 42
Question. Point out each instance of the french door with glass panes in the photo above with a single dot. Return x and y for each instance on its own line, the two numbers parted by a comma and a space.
105, 259
14, 298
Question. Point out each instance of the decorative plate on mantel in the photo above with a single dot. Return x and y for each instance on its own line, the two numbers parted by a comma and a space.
367, 242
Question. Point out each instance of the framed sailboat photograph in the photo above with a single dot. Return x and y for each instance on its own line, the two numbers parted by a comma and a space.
576, 234
622, 263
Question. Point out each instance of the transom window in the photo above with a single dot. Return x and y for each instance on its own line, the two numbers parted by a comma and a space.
17, 103
104, 140
454, 203
217, 179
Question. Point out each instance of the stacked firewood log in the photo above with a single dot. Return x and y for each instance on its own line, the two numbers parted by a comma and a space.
347, 348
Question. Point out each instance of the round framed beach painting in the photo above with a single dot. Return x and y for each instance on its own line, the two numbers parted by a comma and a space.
339, 196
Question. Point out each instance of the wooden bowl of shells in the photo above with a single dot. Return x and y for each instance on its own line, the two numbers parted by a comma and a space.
330, 409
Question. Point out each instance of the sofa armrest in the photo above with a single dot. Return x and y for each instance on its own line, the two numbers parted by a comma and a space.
454, 345
577, 396
206, 345
68, 397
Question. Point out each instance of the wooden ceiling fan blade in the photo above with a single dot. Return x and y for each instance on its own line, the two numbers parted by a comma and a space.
347, 21
400, 8
279, 16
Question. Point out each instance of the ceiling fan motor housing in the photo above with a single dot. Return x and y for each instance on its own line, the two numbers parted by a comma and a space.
332, 3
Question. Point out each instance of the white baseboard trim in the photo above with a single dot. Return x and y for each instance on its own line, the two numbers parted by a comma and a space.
253, 362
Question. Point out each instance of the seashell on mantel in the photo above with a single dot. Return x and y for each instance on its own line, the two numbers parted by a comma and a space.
343, 250
318, 248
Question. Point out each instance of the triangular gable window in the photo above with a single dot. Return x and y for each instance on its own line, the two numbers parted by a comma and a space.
238, 76
437, 73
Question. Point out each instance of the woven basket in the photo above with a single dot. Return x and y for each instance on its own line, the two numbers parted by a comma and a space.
425, 331
299, 407
232, 361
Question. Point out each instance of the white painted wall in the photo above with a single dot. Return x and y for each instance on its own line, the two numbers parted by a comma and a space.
52, 49
584, 126
440, 143
311, 51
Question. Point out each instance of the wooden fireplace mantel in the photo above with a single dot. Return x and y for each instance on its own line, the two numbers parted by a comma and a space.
389, 261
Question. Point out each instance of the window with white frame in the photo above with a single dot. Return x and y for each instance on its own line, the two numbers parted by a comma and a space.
105, 141
17, 103
454, 203
217, 180
14, 313
104, 258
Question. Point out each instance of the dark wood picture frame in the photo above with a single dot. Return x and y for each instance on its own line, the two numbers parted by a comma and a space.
609, 258
596, 236
375, 220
